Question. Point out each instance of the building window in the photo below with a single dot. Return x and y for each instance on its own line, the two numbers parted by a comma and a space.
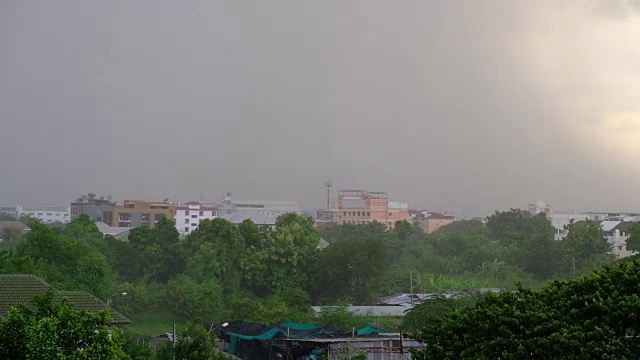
186, 221
159, 217
194, 224
49, 214
344, 213
125, 217
201, 213
145, 217
390, 214
368, 213
39, 214
186, 212
194, 216
186, 229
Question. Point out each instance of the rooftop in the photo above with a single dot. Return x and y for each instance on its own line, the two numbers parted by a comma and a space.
13, 224
45, 209
257, 217
21, 288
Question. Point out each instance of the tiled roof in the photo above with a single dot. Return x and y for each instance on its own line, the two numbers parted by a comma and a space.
21, 288
83, 300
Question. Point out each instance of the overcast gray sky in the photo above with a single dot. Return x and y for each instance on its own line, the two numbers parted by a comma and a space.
475, 105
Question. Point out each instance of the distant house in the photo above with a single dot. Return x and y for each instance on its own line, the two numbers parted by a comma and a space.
4, 224
272, 209
21, 289
430, 222
120, 233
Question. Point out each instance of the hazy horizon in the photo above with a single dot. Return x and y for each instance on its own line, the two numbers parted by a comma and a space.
446, 105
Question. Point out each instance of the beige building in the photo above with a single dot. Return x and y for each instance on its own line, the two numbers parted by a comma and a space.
361, 207
430, 222
134, 213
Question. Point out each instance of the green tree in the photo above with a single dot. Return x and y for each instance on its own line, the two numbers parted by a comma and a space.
81, 227
50, 330
283, 259
192, 343
633, 242
351, 268
188, 299
67, 263
403, 229
161, 252
593, 316
433, 310
516, 226
585, 240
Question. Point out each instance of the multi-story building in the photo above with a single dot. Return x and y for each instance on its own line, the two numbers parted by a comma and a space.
361, 207
189, 216
430, 222
93, 208
272, 209
134, 213
46, 214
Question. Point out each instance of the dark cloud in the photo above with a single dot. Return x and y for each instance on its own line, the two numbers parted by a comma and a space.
449, 105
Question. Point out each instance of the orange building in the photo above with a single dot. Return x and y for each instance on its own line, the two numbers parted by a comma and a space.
361, 207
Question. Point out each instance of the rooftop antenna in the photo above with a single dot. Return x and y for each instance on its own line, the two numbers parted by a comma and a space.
328, 184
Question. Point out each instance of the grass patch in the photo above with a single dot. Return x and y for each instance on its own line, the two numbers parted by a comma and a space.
154, 323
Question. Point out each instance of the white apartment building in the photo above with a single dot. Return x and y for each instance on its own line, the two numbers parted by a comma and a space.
272, 209
189, 216
46, 214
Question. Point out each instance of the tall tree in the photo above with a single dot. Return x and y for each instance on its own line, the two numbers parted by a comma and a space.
585, 240
50, 330
591, 317
516, 226
352, 268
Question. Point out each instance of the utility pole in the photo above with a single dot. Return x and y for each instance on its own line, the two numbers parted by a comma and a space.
328, 184
411, 279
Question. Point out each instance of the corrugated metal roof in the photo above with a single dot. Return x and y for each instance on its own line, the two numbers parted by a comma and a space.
354, 204
609, 225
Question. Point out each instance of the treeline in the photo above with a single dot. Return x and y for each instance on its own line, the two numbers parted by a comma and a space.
226, 272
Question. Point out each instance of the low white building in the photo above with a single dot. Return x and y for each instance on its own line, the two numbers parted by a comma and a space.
189, 216
272, 209
617, 233
46, 214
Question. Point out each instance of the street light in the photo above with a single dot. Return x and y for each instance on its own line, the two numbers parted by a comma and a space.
224, 324
109, 299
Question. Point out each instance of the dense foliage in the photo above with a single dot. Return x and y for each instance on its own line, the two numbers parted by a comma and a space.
592, 317
50, 330
223, 272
